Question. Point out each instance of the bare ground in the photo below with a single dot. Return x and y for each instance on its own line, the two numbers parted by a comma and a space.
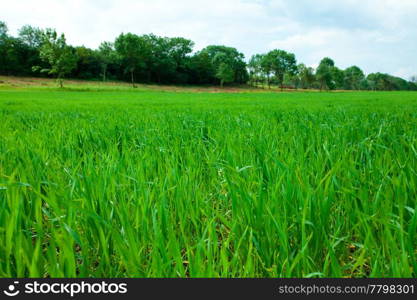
27, 82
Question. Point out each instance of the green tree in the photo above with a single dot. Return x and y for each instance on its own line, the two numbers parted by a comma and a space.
225, 73
353, 78
324, 74
178, 49
55, 52
229, 56
88, 63
413, 83
291, 81
281, 63
224, 68
3, 47
266, 66
31, 36
159, 65
133, 50
306, 76
338, 77
107, 56
255, 69
386, 82
169, 59
3, 30
200, 68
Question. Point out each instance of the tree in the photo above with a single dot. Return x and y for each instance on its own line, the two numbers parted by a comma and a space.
3, 30
88, 63
266, 66
229, 56
353, 78
225, 73
291, 81
106, 55
224, 68
55, 52
133, 50
31, 36
413, 83
338, 78
386, 82
16, 57
178, 49
3, 47
152, 58
281, 63
306, 76
255, 68
168, 59
159, 65
324, 73
200, 69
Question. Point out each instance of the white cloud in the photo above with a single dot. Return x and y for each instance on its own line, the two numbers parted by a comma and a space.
378, 35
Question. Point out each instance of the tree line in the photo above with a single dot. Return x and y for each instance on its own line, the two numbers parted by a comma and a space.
164, 60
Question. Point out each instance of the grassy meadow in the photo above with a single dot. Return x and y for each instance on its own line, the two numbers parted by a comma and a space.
111, 181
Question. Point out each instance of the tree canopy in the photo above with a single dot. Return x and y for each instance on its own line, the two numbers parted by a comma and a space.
55, 52
281, 63
173, 60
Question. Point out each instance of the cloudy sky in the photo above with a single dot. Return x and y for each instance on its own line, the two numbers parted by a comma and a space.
377, 35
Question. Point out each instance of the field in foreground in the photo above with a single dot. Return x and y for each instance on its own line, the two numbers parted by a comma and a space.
135, 183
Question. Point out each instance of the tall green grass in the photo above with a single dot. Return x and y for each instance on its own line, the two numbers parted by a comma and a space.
160, 184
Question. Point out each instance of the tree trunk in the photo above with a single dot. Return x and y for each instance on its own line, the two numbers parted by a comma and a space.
60, 82
133, 79
104, 73
221, 83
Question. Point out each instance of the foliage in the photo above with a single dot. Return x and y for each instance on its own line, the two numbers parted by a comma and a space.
55, 52
281, 63
325, 73
353, 78
266, 67
386, 82
31, 36
306, 76
255, 68
88, 63
132, 50
225, 73
170, 60
221, 56
107, 55
3, 31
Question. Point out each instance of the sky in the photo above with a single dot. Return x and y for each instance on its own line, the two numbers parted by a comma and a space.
376, 35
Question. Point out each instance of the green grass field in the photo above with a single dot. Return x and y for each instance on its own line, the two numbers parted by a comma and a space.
106, 182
